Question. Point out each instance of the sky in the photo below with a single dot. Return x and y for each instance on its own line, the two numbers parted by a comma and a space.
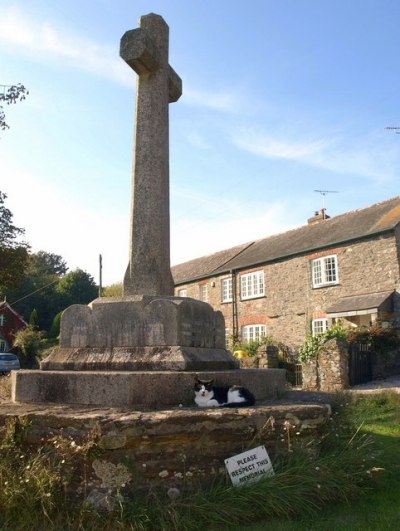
279, 99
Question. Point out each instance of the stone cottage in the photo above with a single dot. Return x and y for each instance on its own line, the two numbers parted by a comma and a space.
346, 267
10, 322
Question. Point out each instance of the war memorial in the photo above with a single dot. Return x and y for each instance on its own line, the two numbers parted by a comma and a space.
125, 367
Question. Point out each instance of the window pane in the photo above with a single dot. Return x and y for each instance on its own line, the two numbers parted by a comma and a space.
203, 293
252, 285
319, 326
226, 289
316, 272
330, 269
253, 332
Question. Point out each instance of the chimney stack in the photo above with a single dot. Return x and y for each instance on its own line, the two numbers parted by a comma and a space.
318, 217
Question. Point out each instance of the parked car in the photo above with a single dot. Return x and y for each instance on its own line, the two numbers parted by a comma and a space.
8, 362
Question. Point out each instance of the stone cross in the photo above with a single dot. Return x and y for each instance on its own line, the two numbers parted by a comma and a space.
145, 50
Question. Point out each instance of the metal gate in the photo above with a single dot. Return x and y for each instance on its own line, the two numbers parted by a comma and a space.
294, 369
360, 363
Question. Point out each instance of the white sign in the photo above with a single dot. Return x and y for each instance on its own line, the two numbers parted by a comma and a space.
249, 466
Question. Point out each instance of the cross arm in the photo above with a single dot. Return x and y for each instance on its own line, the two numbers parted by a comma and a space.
138, 51
174, 85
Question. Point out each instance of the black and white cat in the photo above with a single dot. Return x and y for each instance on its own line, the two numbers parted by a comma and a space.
209, 395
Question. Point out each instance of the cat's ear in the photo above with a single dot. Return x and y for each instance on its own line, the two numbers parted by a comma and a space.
196, 380
210, 382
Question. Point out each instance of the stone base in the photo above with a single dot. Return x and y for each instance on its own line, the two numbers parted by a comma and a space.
179, 448
136, 390
172, 358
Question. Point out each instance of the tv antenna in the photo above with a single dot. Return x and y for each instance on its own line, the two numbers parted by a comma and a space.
323, 194
394, 128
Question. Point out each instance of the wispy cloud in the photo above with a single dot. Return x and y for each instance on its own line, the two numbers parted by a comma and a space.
367, 157
29, 36
218, 100
276, 148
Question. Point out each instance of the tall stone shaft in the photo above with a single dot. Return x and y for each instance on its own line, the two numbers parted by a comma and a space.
145, 50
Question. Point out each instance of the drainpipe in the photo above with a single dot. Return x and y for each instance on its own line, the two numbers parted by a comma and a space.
234, 306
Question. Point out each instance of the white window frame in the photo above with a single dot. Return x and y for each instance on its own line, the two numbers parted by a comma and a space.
321, 271
226, 290
319, 326
3, 346
253, 332
182, 292
2, 319
203, 292
252, 285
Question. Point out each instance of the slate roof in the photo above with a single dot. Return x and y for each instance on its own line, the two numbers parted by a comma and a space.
382, 300
361, 223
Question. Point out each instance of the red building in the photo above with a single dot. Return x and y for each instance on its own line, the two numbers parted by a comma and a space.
10, 322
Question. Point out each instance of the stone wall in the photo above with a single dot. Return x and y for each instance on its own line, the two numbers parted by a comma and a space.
329, 371
181, 448
385, 364
290, 301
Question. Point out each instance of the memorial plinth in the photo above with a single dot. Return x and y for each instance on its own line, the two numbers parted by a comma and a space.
140, 333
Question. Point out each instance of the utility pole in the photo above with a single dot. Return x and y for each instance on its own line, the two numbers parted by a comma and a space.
100, 275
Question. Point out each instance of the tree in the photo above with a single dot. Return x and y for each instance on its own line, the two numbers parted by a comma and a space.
43, 263
113, 290
28, 341
13, 251
33, 319
54, 331
11, 94
36, 289
76, 287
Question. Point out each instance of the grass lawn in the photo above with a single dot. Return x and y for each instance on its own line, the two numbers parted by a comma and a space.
380, 508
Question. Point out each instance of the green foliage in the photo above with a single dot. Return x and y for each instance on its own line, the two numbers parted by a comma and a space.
28, 341
13, 251
33, 319
37, 288
46, 288
54, 331
336, 331
11, 94
43, 263
113, 290
312, 345
76, 287
251, 347
381, 339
